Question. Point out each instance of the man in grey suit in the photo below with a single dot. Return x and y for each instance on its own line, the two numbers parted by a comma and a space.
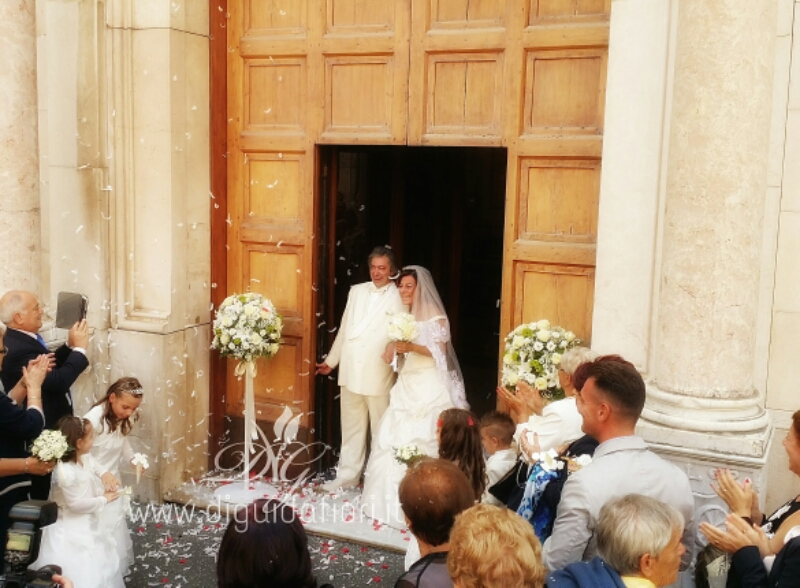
611, 396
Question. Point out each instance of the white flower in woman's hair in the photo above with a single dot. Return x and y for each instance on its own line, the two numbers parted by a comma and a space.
583, 460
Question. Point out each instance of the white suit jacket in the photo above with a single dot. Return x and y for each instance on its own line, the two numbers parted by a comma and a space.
362, 339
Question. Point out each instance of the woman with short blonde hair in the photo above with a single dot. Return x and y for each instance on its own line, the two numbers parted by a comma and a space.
492, 546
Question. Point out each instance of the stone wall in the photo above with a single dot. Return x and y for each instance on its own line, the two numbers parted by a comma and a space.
124, 161
19, 165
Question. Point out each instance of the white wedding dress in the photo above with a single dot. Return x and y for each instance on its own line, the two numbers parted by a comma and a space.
425, 387
416, 400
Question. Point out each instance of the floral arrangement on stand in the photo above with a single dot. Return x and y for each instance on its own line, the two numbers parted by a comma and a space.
533, 353
247, 327
50, 445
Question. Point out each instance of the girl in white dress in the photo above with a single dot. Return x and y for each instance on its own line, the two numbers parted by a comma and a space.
76, 541
429, 381
113, 417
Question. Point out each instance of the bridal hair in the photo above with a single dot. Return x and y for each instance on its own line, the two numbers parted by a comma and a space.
406, 271
432, 493
265, 545
460, 442
74, 429
130, 386
384, 251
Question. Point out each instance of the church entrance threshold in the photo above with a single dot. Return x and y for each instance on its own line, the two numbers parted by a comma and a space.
439, 207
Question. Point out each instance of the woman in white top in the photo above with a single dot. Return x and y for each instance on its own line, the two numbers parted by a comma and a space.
556, 424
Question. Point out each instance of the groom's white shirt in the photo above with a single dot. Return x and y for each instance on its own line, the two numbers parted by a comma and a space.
362, 338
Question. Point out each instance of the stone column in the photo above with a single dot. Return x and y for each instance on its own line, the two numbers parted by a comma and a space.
712, 225
19, 158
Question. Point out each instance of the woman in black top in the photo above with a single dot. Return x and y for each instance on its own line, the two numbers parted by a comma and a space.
751, 536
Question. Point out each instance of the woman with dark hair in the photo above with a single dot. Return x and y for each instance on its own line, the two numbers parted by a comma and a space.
428, 382
751, 536
265, 545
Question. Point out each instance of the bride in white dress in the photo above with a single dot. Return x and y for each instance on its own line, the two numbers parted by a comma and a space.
429, 381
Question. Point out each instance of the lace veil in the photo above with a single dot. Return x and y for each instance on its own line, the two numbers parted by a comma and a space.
429, 312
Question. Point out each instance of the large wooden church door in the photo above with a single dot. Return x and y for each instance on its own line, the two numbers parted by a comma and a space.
528, 75
300, 72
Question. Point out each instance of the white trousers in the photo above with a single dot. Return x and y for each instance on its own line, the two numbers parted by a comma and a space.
360, 414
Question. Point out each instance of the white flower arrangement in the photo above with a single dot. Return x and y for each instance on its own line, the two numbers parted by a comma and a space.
533, 353
403, 327
140, 459
576, 463
50, 445
247, 326
407, 454
549, 460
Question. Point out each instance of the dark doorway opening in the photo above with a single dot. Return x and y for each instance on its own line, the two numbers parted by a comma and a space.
439, 207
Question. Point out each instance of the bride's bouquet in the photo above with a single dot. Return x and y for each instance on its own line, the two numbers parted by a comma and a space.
50, 445
407, 454
533, 353
247, 327
403, 327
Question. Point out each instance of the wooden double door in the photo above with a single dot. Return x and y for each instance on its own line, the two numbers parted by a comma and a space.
525, 75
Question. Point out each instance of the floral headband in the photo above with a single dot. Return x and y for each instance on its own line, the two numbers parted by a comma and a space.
135, 392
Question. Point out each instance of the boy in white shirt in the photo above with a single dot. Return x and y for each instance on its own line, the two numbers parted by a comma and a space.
497, 434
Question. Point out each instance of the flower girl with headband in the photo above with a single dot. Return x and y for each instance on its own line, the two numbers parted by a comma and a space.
113, 418
77, 541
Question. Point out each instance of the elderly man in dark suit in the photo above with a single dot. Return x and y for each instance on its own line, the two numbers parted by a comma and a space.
21, 312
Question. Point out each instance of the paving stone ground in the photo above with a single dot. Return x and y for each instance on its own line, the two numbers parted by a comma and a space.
177, 547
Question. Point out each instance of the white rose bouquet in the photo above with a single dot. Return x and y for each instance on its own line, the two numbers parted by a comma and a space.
50, 445
247, 327
407, 454
533, 353
403, 327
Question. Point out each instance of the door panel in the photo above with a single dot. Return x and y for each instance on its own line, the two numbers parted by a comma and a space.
527, 75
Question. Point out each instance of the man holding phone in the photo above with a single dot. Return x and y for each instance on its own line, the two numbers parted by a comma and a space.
22, 312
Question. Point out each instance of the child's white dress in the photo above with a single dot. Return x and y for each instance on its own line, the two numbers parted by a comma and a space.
109, 449
76, 541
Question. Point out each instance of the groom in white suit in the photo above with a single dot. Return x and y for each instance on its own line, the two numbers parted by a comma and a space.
364, 377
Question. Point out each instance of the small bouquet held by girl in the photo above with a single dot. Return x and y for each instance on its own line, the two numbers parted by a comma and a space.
77, 540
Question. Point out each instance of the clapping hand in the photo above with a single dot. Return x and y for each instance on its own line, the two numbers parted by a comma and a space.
738, 534
738, 497
529, 449
516, 405
34, 373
